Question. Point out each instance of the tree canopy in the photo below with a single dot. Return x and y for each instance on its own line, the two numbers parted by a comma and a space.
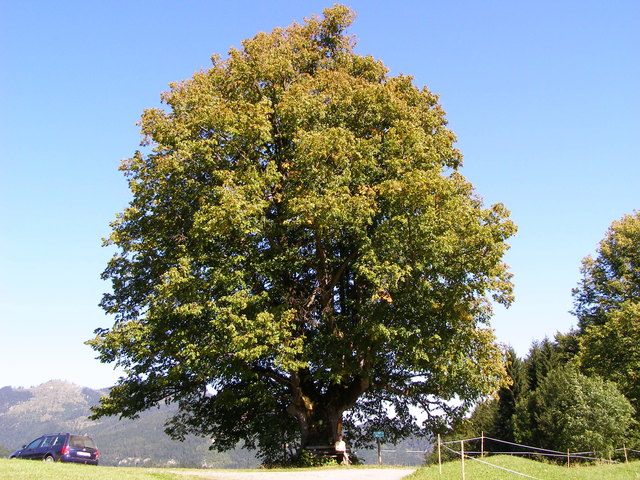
613, 277
301, 253
608, 308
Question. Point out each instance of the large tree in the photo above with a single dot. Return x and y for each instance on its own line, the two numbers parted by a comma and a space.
301, 253
608, 308
612, 278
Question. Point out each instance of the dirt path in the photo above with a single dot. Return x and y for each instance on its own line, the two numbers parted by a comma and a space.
337, 474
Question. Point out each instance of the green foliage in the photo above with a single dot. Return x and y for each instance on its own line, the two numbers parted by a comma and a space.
567, 346
502, 425
494, 417
569, 410
307, 458
543, 357
613, 278
299, 245
612, 350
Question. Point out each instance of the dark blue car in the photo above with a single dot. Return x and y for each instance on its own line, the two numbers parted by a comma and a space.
61, 447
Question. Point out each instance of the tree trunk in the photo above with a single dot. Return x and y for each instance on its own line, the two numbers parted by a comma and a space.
320, 415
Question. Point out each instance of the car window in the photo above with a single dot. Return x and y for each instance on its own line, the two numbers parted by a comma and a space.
81, 442
59, 440
36, 443
48, 441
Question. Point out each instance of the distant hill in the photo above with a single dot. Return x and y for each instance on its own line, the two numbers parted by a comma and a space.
58, 406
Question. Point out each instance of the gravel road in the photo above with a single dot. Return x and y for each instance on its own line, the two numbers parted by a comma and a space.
337, 474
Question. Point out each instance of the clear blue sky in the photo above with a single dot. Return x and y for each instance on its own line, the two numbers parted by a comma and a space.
543, 95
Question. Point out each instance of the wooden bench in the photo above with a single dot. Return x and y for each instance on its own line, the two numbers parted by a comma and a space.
326, 451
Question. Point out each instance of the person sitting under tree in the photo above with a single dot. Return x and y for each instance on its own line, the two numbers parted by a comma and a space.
341, 450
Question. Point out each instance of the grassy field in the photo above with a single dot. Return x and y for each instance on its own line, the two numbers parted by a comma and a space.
30, 470
478, 471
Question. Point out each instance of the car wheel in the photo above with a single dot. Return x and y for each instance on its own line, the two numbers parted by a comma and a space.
49, 459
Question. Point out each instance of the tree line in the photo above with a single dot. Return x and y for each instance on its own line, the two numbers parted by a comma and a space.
579, 391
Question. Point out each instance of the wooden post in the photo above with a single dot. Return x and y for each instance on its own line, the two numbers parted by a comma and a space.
439, 456
568, 458
482, 446
379, 452
626, 458
462, 456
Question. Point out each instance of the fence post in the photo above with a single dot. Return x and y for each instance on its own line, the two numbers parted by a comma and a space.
482, 445
439, 456
568, 458
462, 456
626, 459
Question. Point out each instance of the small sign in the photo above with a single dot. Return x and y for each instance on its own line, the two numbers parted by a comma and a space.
378, 434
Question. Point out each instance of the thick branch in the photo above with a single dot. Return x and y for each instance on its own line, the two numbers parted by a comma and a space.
273, 375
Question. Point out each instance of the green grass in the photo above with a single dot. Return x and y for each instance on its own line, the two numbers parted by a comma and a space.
30, 470
543, 471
